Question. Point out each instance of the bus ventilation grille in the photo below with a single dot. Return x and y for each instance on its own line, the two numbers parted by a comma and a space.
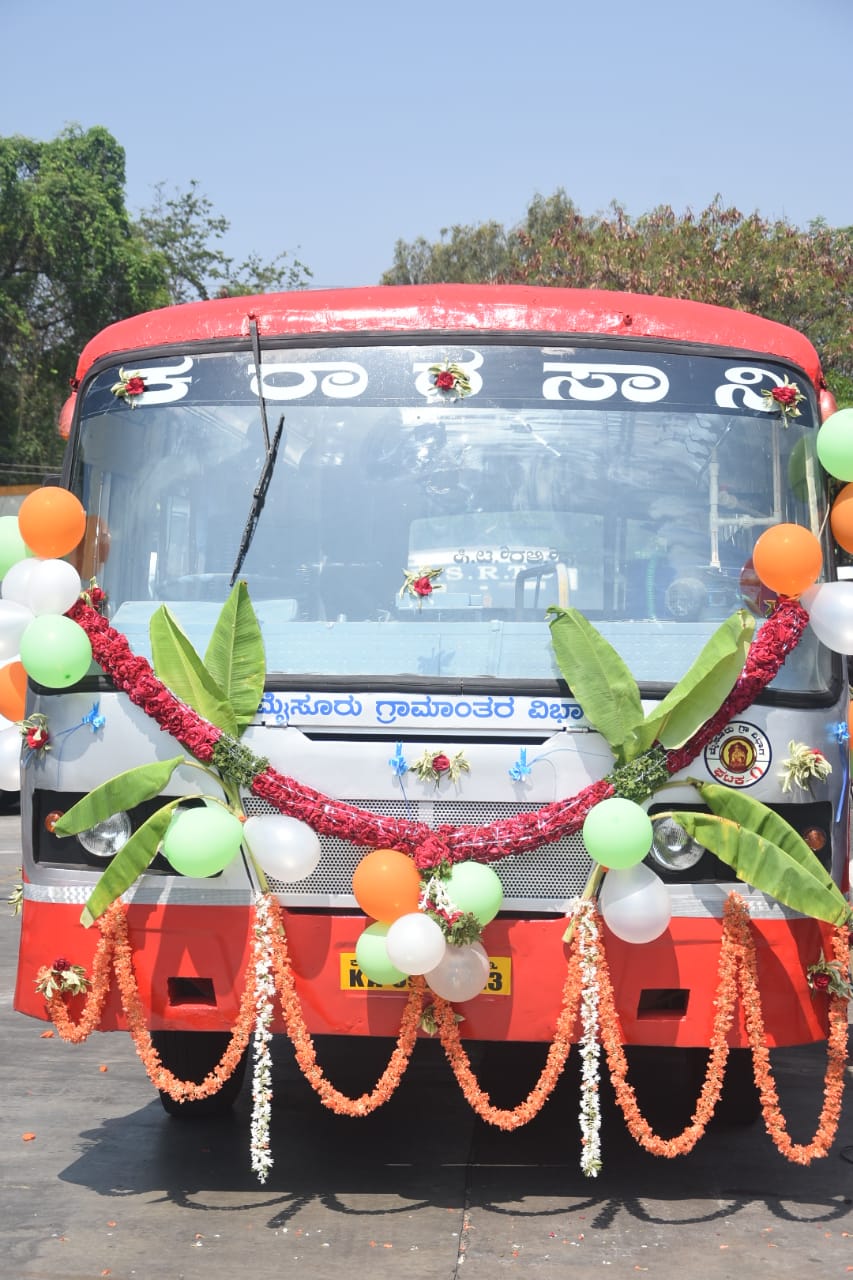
546, 879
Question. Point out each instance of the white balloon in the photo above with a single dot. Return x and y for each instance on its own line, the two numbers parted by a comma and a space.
415, 943
10, 759
461, 974
53, 587
635, 903
285, 848
830, 610
14, 620
17, 579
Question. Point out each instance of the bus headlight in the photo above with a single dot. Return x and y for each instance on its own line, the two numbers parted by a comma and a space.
107, 837
673, 848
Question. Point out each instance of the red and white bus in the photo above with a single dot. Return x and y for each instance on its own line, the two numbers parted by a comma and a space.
607, 452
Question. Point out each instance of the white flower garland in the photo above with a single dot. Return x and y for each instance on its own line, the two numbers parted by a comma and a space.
590, 1043
262, 1160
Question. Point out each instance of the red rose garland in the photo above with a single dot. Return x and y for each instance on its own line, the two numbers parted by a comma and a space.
427, 846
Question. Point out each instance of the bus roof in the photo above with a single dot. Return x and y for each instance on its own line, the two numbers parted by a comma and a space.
454, 309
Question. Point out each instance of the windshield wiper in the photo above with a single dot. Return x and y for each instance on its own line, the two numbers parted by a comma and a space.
260, 494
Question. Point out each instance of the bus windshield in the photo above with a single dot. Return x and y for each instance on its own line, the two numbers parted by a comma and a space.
419, 531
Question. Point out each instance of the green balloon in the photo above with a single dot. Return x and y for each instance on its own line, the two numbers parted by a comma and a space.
476, 888
372, 956
617, 833
12, 545
55, 651
835, 444
202, 841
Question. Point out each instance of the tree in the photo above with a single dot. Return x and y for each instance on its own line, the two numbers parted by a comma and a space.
185, 230
72, 260
803, 278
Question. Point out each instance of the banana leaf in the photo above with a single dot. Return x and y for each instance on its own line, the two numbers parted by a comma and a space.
701, 692
235, 656
181, 669
598, 678
124, 791
129, 863
769, 866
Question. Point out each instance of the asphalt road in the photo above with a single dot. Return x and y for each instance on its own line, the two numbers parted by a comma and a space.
111, 1186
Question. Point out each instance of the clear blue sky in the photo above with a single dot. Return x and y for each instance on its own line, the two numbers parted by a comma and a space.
333, 129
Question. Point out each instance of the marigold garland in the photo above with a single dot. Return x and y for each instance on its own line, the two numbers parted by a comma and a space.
510, 1118
737, 976
303, 1044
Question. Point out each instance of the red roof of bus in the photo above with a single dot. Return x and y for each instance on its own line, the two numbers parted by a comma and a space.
455, 308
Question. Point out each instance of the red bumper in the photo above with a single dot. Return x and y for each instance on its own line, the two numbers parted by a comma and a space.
190, 961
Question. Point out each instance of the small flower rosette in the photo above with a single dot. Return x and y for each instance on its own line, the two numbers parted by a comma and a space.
130, 387
784, 400
435, 765
449, 381
420, 584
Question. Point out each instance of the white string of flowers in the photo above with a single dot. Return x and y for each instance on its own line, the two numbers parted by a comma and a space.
262, 1160
590, 1043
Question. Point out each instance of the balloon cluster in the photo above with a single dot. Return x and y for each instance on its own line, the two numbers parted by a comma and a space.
202, 840
634, 902
787, 558
37, 590
406, 940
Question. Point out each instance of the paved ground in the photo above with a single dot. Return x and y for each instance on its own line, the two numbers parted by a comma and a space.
110, 1186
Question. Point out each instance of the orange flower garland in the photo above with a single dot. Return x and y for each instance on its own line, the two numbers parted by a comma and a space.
477, 1098
738, 974
737, 977
303, 1045
774, 1121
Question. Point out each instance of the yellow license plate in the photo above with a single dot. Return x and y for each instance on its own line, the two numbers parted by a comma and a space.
354, 979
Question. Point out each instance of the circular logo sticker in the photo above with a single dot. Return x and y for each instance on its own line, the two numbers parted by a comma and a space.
739, 756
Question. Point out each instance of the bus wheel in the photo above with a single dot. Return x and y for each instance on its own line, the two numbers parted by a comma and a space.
739, 1104
190, 1055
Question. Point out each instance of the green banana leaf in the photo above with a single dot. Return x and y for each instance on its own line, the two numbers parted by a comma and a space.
235, 656
701, 692
181, 669
124, 791
766, 865
764, 822
598, 678
129, 863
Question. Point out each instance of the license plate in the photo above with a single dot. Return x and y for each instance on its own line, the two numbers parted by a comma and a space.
354, 979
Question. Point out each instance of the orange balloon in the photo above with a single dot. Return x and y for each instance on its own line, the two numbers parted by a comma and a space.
841, 518
52, 521
387, 885
13, 691
787, 558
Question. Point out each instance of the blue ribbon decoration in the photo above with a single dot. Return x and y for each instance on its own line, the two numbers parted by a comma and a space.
521, 769
840, 733
398, 762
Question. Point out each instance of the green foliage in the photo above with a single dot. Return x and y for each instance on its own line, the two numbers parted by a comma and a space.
182, 670
235, 656
186, 232
765, 852
801, 277
124, 791
129, 863
73, 259
606, 690
702, 691
597, 677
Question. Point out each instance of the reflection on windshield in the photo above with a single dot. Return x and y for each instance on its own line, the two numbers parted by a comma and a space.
642, 519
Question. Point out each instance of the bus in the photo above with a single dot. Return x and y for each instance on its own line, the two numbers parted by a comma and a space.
406, 479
